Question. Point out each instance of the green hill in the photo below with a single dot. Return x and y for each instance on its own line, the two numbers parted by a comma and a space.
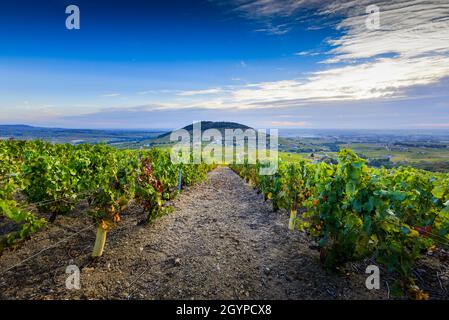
205, 125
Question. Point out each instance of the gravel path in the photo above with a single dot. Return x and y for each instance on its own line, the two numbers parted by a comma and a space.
221, 242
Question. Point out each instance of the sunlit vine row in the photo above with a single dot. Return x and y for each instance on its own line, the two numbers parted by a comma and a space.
355, 212
39, 181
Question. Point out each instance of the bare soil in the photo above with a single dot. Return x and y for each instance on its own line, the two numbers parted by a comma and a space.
222, 241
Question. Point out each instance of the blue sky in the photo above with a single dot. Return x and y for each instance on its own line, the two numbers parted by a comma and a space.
267, 63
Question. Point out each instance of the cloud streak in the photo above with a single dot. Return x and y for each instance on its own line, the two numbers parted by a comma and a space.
110, 95
201, 92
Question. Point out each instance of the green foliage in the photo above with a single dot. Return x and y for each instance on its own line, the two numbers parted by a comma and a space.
355, 211
53, 178
27, 223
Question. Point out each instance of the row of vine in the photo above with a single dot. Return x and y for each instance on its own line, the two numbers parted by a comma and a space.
39, 181
354, 211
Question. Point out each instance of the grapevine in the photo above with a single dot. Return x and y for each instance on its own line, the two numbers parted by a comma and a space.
355, 212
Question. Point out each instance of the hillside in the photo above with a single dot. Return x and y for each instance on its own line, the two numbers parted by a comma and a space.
205, 125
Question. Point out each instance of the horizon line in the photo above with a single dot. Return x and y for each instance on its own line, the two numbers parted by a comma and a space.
171, 129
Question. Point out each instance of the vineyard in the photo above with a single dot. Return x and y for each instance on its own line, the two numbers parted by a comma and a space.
352, 211
39, 181
355, 212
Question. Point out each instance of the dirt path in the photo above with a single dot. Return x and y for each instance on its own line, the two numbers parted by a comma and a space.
221, 242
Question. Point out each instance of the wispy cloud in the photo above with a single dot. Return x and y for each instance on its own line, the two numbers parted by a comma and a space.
146, 92
257, 9
307, 53
277, 17
385, 77
279, 29
410, 49
108, 95
201, 92
159, 91
407, 29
